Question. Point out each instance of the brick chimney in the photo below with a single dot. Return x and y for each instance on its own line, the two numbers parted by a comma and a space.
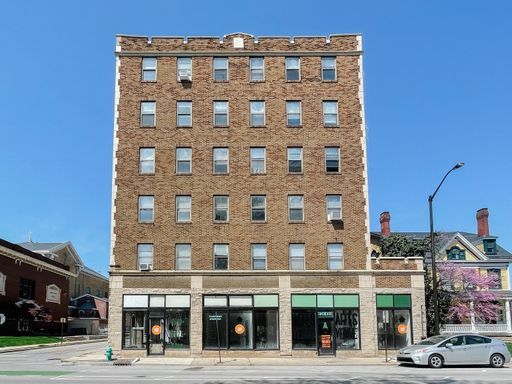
482, 216
385, 228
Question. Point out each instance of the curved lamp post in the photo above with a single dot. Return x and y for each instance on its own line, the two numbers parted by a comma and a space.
432, 250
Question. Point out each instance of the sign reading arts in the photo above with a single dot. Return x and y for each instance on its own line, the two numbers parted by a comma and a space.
52, 294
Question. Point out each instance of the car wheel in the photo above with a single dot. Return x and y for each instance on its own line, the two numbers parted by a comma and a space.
497, 361
435, 361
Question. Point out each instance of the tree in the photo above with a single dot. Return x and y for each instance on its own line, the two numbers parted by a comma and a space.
398, 245
443, 302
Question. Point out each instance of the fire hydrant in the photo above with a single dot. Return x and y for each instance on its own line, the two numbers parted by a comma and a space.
108, 353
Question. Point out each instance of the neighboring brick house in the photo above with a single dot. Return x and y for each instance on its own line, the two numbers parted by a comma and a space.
89, 315
240, 202
34, 291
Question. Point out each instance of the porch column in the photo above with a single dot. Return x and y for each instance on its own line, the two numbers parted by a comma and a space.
507, 316
473, 325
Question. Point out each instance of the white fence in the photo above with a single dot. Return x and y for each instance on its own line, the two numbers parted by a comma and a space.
476, 328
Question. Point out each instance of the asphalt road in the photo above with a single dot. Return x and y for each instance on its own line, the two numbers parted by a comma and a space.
45, 366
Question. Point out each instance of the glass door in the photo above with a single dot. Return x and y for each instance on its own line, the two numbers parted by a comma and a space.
325, 332
156, 333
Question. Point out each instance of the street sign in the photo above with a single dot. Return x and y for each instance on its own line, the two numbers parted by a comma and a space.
63, 320
2, 318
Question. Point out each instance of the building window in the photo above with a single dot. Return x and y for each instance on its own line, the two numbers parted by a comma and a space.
221, 208
147, 161
220, 160
257, 68
149, 69
183, 256
220, 256
455, 253
330, 109
258, 160
27, 289
220, 113
259, 256
332, 159
3, 278
258, 210
294, 160
184, 68
148, 114
335, 255
490, 246
495, 273
146, 209
296, 253
293, 114
183, 209
88, 290
184, 113
394, 321
220, 69
303, 329
177, 335
328, 68
257, 115
184, 161
292, 69
296, 207
333, 207
145, 256
134, 330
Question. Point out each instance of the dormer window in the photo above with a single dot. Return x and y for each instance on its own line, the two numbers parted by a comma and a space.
455, 253
490, 246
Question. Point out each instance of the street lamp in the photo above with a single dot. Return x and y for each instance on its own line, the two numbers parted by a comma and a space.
432, 250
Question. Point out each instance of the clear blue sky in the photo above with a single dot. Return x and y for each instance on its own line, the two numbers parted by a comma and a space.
438, 91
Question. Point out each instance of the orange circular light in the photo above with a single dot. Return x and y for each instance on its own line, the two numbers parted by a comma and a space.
155, 330
402, 329
239, 329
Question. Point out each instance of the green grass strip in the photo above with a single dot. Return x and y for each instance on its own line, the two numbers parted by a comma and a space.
14, 341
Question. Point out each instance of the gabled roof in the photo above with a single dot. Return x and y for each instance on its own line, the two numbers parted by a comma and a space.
44, 248
27, 252
94, 273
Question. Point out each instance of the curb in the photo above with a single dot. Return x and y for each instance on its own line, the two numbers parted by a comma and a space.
49, 345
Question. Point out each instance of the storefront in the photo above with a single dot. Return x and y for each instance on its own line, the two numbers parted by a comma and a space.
326, 323
394, 324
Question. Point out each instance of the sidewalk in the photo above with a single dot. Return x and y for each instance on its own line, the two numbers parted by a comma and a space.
68, 340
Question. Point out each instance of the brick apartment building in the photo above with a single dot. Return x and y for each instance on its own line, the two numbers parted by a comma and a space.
240, 203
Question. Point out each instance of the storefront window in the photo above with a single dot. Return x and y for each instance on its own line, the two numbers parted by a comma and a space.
177, 332
347, 329
134, 333
394, 321
266, 327
240, 329
303, 328
214, 326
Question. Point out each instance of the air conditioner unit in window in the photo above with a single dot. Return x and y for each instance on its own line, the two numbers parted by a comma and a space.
184, 76
145, 267
334, 217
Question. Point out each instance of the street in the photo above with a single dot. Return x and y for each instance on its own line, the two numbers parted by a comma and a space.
45, 366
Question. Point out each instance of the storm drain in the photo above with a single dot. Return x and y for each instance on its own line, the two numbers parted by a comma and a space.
123, 362
193, 368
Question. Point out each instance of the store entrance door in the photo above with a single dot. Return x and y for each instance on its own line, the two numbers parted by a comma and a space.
325, 332
156, 336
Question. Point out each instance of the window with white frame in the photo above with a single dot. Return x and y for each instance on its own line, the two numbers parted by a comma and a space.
296, 207
292, 69
330, 109
149, 69
220, 160
220, 69
146, 209
294, 159
184, 67
333, 207
220, 113
328, 68
335, 255
221, 208
296, 253
184, 113
183, 208
148, 114
332, 159
147, 161
257, 115
259, 256
184, 161
3, 279
257, 68
220, 256
145, 256
258, 160
293, 114
258, 208
183, 256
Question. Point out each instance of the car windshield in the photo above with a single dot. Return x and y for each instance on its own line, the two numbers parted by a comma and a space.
432, 340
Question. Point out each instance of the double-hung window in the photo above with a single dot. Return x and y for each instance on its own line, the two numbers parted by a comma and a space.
296, 207
257, 68
183, 161
258, 159
184, 113
333, 207
183, 208
335, 255
292, 69
220, 256
221, 208
258, 208
332, 159
149, 69
220, 69
146, 209
330, 109
220, 160
328, 68
259, 256
257, 115
293, 114
296, 253
147, 161
147, 114
145, 256
294, 159
183, 256
220, 113
184, 68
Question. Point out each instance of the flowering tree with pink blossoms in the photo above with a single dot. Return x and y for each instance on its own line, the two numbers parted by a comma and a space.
470, 292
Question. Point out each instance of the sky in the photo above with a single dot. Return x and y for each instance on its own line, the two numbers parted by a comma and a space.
437, 91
